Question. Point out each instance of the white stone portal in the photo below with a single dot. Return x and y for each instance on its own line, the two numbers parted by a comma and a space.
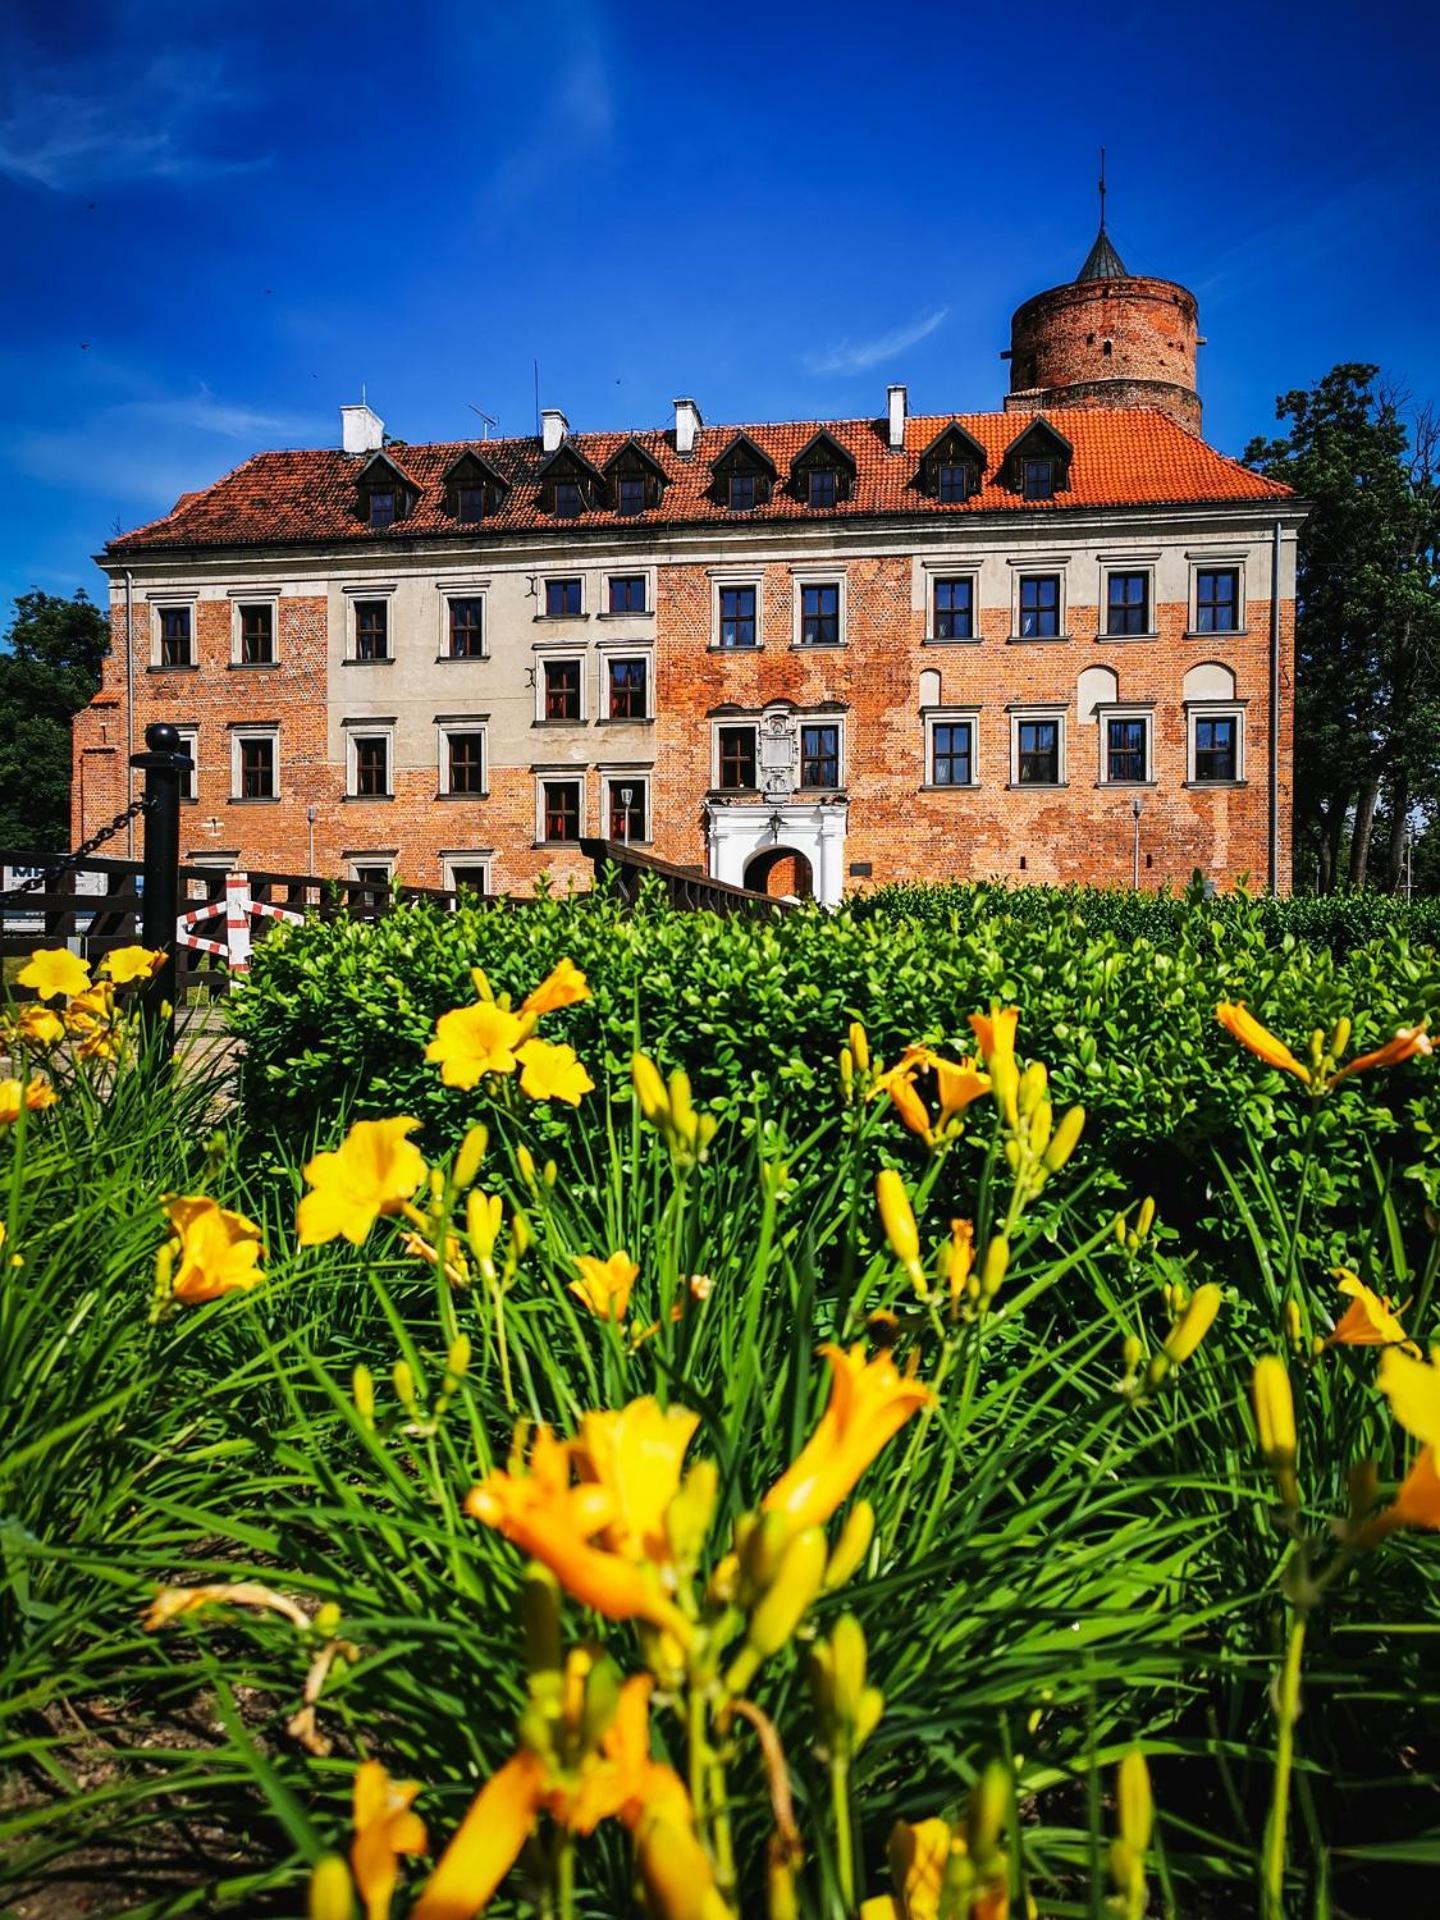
814, 829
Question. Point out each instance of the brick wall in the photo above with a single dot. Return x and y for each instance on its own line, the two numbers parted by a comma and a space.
1117, 343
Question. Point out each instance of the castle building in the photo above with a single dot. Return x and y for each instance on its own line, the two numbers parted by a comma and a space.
1051, 642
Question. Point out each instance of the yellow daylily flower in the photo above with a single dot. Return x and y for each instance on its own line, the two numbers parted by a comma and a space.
127, 964
958, 1084
473, 1041
604, 1285
54, 973
1413, 1389
637, 1456
1238, 1021
919, 1855
563, 986
216, 1251
555, 1522
39, 1026
373, 1171
1406, 1044
487, 1842
907, 1103
995, 1032
1370, 1321
384, 1828
1417, 1504
170, 1603
552, 1073
869, 1403
957, 1258
34, 1096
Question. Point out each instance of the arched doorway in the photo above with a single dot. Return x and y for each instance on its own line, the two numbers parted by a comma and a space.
780, 871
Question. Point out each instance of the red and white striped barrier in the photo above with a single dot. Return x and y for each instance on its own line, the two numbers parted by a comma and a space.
238, 909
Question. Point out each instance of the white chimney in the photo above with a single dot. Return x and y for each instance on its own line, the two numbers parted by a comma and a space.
896, 398
687, 424
361, 429
553, 428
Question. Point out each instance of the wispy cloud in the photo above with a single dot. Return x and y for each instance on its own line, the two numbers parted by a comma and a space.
111, 119
854, 356
574, 113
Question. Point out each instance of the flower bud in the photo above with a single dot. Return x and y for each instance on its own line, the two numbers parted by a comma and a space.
847, 1670
457, 1361
1065, 1139
331, 1895
1042, 1123
362, 1385
402, 1378
783, 1607
682, 1106
1275, 1423
1194, 1323
762, 1543
852, 1546
480, 980
525, 1161
898, 1218
1134, 1354
550, 1173
989, 1813
997, 1263
483, 1213
467, 1160
602, 1700
649, 1088
1005, 1085
1117, 1225
847, 1072
327, 1619
860, 1046
1033, 1082
687, 1520
867, 1717
1294, 1326
1134, 1801
1340, 1039
1145, 1218
521, 1236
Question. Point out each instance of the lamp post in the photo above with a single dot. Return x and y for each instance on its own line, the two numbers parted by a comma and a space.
1136, 806
627, 794
310, 816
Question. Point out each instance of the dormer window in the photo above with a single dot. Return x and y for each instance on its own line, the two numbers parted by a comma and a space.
569, 485
951, 466
629, 495
382, 507
473, 489
470, 503
569, 500
824, 487
637, 480
1037, 462
743, 476
386, 494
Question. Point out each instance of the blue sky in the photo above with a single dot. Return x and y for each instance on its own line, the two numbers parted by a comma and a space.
220, 221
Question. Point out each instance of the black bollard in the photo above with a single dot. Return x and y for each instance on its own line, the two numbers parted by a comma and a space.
162, 763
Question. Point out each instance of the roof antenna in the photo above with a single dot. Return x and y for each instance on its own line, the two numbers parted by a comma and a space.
488, 418
1102, 189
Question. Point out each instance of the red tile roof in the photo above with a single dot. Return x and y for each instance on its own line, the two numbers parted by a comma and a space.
1123, 457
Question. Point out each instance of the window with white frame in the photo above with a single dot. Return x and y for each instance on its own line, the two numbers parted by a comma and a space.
253, 633
370, 630
951, 758
1037, 747
820, 754
464, 626
559, 808
371, 869
174, 644
565, 597
467, 872
627, 593
1040, 606
190, 776
369, 759
736, 612
463, 762
819, 612
1128, 602
1217, 745
627, 686
627, 807
560, 688
255, 763
1216, 598
736, 757
1125, 746
952, 606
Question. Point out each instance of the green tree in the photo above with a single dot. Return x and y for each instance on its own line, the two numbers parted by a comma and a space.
1367, 733
49, 668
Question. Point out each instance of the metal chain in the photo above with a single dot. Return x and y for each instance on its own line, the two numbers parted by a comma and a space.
51, 870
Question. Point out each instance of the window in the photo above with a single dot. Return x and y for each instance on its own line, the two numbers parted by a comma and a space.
626, 811
568, 499
464, 876
562, 690
1127, 748
1038, 479
190, 776
370, 873
1217, 747
953, 481
625, 683
1128, 603
737, 616
820, 614
823, 486
627, 593
467, 629
470, 503
1217, 600
257, 636
1040, 606
175, 647
465, 762
382, 506
741, 492
562, 599
560, 809
1037, 753
736, 756
952, 753
630, 495
371, 765
372, 630
954, 615
820, 756
255, 768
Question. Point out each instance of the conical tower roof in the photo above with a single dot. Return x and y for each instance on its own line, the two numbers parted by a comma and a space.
1103, 262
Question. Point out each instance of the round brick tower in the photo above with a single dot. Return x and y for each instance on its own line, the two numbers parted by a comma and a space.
1108, 338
